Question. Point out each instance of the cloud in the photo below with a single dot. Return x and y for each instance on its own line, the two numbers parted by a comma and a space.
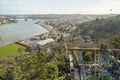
20, 2
60, 6
4, 2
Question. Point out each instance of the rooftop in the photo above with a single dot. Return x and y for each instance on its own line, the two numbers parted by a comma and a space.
46, 41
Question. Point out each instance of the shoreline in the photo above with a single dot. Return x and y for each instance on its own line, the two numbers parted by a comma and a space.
7, 23
4, 43
47, 27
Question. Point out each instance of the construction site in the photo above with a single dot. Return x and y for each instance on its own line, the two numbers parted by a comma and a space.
106, 65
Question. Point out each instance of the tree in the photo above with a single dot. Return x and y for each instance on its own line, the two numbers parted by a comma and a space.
35, 67
28, 68
0, 38
88, 57
20, 50
39, 49
114, 41
52, 70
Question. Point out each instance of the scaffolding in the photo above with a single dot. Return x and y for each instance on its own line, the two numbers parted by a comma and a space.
105, 63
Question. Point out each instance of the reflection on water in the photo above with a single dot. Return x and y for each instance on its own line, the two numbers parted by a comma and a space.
23, 29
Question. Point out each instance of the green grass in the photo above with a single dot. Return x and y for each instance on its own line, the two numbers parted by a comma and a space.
13, 50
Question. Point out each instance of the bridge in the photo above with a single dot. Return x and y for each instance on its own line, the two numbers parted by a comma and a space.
26, 17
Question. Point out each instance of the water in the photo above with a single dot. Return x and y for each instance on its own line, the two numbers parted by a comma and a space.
22, 29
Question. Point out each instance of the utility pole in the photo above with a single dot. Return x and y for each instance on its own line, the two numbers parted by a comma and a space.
61, 38
66, 60
95, 66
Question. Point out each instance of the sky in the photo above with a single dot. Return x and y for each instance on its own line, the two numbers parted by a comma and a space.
59, 6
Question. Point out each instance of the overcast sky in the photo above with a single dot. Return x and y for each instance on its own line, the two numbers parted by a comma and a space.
59, 6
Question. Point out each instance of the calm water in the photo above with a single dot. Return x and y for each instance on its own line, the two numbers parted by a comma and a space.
21, 30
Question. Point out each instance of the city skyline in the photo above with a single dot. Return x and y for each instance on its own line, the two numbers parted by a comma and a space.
59, 6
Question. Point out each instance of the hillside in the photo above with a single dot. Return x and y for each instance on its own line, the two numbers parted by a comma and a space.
100, 28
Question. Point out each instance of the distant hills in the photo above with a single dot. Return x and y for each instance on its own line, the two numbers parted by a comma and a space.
81, 17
